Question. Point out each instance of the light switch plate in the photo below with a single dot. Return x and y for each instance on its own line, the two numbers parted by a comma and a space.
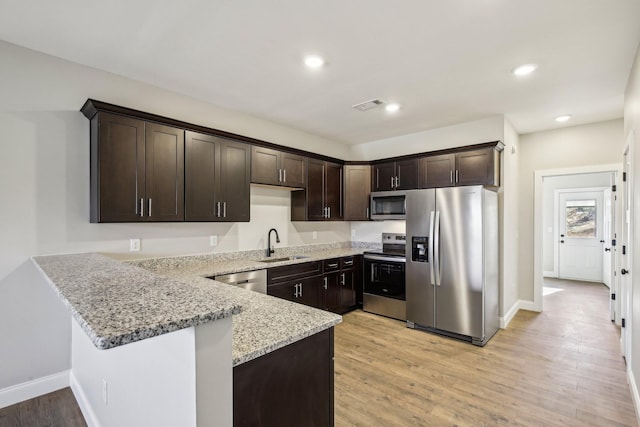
213, 240
315, 235
353, 233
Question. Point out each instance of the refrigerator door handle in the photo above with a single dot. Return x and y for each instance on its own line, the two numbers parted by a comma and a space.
430, 250
436, 248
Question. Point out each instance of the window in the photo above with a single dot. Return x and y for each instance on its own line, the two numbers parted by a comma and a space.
581, 219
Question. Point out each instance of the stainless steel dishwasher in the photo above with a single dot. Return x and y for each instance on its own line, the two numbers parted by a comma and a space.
252, 280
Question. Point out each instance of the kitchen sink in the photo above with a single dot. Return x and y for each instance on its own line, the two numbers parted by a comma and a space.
288, 258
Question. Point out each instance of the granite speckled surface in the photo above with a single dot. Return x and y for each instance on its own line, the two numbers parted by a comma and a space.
121, 302
266, 323
116, 303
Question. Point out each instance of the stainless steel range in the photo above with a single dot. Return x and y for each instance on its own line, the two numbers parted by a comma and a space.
384, 278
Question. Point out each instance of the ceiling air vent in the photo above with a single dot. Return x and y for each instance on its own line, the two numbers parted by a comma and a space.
368, 105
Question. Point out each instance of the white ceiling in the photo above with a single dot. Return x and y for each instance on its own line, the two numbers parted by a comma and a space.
444, 61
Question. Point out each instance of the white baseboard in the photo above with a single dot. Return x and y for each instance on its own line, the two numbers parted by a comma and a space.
87, 411
506, 319
527, 305
518, 305
549, 274
34, 388
635, 397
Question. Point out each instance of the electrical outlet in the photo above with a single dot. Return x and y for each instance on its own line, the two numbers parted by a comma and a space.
315, 235
134, 245
353, 234
213, 240
105, 392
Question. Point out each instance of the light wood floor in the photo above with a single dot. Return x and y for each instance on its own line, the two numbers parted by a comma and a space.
561, 367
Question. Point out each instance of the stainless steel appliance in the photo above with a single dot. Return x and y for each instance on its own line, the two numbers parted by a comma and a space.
252, 280
384, 278
452, 262
388, 205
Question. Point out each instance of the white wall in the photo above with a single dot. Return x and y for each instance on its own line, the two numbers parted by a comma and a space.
476, 132
508, 199
632, 134
577, 146
551, 184
44, 195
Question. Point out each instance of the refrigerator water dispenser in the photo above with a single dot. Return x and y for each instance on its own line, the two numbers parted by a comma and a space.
419, 246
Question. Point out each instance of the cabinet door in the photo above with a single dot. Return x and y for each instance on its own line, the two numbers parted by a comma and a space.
286, 290
384, 176
202, 176
235, 176
347, 298
294, 170
164, 173
333, 191
357, 188
265, 166
407, 174
437, 171
309, 291
315, 203
330, 291
117, 170
475, 167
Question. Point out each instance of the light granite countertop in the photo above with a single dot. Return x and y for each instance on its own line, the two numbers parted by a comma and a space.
117, 302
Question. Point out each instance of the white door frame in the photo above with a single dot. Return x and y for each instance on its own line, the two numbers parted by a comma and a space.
627, 293
556, 219
539, 176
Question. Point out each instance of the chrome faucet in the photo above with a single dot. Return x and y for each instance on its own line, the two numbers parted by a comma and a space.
270, 249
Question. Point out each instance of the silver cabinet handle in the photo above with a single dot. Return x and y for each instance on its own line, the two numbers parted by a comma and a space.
325, 284
280, 177
333, 265
451, 176
218, 209
300, 289
329, 212
367, 214
295, 290
284, 175
348, 263
377, 179
392, 181
397, 181
224, 209
149, 213
342, 281
457, 176
141, 207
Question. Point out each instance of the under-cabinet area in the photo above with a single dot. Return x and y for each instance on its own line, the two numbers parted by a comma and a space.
146, 167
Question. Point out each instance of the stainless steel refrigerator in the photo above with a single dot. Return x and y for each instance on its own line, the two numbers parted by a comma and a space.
452, 262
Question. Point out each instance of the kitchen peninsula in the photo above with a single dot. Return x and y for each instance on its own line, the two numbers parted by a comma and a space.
167, 345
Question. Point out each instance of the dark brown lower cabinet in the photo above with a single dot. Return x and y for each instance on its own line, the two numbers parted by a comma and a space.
304, 291
292, 386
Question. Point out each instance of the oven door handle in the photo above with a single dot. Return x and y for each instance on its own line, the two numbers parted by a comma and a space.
397, 260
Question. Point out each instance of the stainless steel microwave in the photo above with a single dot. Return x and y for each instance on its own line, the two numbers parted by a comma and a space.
388, 205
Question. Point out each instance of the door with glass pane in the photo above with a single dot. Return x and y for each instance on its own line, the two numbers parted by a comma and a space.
580, 234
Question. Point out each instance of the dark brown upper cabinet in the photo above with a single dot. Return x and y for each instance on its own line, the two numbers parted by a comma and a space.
217, 174
137, 170
273, 167
398, 175
357, 189
322, 200
471, 167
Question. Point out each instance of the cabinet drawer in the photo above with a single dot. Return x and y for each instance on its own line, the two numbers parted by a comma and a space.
332, 264
347, 263
291, 272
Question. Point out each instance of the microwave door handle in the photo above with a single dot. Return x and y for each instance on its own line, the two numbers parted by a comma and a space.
436, 248
432, 277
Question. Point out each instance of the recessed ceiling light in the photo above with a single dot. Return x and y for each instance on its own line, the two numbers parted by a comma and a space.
524, 70
392, 108
562, 119
314, 61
